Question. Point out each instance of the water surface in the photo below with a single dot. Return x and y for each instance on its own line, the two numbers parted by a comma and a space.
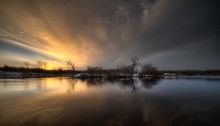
67, 101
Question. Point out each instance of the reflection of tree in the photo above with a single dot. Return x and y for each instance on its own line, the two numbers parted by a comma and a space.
72, 85
26, 84
124, 83
149, 82
130, 83
127, 82
94, 81
111, 80
41, 83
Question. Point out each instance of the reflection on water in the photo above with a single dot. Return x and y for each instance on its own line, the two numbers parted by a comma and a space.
125, 102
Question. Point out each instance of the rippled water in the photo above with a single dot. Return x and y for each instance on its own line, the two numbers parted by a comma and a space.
65, 101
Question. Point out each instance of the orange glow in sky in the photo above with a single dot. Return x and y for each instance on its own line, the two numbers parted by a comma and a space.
108, 33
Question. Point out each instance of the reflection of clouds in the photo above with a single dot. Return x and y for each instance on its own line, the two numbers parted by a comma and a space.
126, 83
106, 104
71, 85
137, 83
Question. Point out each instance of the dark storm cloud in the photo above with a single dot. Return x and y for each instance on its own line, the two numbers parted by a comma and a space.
172, 34
187, 27
180, 35
180, 23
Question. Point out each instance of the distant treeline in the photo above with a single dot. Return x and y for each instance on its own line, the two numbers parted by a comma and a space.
192, 72
98, 72
6, 68
11, 72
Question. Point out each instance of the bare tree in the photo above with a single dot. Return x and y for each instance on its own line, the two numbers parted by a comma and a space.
134, 63
149, 70
40, 64
125, 70
26, 64
71, 64
44, 65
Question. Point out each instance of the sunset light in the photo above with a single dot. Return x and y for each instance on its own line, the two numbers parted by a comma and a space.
109, 63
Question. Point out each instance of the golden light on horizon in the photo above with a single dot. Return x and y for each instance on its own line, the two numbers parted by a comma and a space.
49, 67
57, 50
105, 33
47, 38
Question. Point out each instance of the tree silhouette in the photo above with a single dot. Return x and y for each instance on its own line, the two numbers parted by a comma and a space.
94, 71
134, 63
26, 64
149, 70
42, 64
71, 65
39, 64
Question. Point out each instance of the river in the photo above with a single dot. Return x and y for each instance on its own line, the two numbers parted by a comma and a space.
126, 102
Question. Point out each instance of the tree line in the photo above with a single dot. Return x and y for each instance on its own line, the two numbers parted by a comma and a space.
121, 71
134, 68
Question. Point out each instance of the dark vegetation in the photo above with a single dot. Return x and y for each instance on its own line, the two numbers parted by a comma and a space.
122, 71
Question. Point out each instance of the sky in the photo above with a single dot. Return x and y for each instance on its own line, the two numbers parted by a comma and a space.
170, 34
